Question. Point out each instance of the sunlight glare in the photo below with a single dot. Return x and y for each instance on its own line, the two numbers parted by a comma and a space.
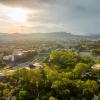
18, 14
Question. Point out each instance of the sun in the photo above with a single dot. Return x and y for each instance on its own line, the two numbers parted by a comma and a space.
18, 15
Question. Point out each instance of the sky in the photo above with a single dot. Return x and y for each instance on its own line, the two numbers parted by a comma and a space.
73, 16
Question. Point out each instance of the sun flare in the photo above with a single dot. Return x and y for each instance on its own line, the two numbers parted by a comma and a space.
18, 14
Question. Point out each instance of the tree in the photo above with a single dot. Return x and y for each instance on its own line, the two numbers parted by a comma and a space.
80, 86
99, 96
52, 98
64, 89
2, 63
63, 58
87, 60
80, 69
90, 88
23, 95
98, 60
96, 51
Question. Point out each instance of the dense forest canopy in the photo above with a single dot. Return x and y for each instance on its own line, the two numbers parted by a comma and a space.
64, 76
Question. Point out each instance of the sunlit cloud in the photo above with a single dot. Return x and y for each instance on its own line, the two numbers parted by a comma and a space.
15, 19
75, 16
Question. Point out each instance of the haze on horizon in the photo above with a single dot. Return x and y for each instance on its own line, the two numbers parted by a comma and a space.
26, 16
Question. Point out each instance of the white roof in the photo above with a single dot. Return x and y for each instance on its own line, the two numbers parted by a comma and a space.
96, 66
38, 65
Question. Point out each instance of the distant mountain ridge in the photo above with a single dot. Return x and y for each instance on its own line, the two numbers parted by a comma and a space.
51, 34
48, 35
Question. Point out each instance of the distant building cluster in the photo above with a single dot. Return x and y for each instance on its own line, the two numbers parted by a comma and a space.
9, 58
16, 52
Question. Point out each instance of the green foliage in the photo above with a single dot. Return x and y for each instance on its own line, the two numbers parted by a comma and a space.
2, 63
87, 60
91, 86
87, 89
80, 69
98, 60
63, 58
96, 52
52, 98
23, 95
63, 80
48, 84
99, 96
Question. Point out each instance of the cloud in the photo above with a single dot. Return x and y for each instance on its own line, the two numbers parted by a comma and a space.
71, 15
27, 3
